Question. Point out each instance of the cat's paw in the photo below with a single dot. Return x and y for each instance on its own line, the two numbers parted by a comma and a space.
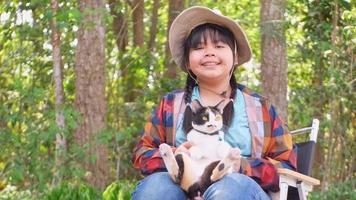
165, 150
227, 164
234, 154
235, 158
169, 160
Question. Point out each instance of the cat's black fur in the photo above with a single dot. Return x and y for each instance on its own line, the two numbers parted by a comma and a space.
201, 111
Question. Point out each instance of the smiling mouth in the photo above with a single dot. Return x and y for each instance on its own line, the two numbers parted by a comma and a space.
210, 63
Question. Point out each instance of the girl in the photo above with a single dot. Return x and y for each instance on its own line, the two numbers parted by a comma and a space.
208, 47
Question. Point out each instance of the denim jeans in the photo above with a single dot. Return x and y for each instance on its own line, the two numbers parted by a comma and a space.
160, 186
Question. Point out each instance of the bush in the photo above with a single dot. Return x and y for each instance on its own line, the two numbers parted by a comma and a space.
11, 193
345, 190
70, 191
120, 190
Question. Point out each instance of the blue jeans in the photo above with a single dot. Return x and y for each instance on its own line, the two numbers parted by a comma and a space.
233, 186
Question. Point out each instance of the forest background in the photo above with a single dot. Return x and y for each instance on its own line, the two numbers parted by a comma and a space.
79, 78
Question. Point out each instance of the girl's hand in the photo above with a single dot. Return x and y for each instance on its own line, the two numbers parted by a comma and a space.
184, 148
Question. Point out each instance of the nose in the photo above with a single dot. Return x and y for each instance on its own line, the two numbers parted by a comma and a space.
209, 51
209, 54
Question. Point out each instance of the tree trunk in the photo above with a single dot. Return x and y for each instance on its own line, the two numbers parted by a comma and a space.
153, 28
335, 132
174, 8
138, 11
90, 98
274, 62
119, 24
61, 144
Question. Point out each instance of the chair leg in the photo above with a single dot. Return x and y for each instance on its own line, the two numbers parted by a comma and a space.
283, 191
301, 191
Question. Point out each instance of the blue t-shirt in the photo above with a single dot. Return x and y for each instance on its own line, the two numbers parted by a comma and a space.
238, 134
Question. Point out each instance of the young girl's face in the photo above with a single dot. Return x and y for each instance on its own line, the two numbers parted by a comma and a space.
211, 60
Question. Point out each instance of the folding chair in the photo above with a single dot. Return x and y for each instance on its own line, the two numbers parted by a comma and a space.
297, 184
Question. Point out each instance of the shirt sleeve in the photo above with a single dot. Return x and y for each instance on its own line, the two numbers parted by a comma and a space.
278, 151
146, 156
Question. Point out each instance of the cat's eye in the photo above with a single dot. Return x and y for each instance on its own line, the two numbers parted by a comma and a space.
218, 118
205, 118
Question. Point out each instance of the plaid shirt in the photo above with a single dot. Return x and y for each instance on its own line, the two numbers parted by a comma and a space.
272, 145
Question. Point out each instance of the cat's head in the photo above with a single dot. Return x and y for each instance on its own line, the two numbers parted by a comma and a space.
207, 119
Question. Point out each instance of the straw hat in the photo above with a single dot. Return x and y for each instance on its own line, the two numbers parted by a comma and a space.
192, 17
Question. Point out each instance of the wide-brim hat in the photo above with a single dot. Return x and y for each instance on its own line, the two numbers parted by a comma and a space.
194, 16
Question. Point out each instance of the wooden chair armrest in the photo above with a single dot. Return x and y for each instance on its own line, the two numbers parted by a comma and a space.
298, 176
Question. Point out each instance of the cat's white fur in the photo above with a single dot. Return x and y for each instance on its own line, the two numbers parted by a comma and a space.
207, 148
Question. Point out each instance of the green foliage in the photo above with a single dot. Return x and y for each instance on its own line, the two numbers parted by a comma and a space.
321, 79
12, 193
345, 190
69, 191
120, 190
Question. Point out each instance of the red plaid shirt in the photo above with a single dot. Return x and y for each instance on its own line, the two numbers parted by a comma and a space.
272, 145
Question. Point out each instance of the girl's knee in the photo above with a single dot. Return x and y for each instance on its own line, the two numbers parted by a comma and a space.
158, 186
235, 185
241, 179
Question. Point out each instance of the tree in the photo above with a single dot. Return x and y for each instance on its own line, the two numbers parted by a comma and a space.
322, 83
61, 143
174, 8
273, 61
154, 21
119, 24
90, 98
138, 27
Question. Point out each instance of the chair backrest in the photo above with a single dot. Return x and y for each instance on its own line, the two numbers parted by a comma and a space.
305, 150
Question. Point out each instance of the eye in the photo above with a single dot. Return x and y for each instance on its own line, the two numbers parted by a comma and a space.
198, 47
205, 118
218, 118
220, 45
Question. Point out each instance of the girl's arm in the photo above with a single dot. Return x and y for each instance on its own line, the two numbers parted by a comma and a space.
278, 151
146, 155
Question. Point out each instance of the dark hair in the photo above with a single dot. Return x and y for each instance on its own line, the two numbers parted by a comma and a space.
217, 34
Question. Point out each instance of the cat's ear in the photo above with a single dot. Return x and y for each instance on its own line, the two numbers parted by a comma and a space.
187, 119
228, 113
195, 105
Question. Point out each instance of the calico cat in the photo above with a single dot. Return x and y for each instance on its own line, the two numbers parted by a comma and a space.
210, 156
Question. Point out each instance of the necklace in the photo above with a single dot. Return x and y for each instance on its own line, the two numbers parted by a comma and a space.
223, 94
